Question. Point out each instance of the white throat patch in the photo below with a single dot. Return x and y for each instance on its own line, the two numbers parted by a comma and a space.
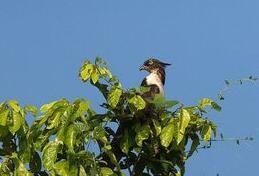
153, 78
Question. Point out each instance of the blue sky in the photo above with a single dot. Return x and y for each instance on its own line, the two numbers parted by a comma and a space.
43, 43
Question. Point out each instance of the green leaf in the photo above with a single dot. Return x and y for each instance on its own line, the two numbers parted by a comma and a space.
49, 154
35, 163
25, 149
66, 168
55, 120
114, 96
70, 137
126, 141
105, 171
86, 71
137, 102
20, 169
4, 117
168, 132
14, 105
184, 121
95, 76
142, 133
82, 171
15, 122
206, 132
3, 131
216, 106
80, 107
157, 126
205, 102
46, 107
208, 102
32, 109
54, 105
194, 146
100, 134
160, 102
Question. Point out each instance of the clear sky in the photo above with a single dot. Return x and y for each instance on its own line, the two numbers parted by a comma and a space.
43, 43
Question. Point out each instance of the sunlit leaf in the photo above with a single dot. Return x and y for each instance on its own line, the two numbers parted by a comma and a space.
208, 102
100, 134
14, 105
142, 133
32, 109
15, 122
54, 105
70, 137
137, 102
157, 126
80, 107
126, 142
95, 76
49, 154
105, 171
184, 121
206, 132
168, 133
205, 102
55, 120
160, 102
66, 168
114, 96
20, 168
86, 71
4, 117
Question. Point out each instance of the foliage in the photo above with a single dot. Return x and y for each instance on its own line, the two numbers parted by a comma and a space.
158, 138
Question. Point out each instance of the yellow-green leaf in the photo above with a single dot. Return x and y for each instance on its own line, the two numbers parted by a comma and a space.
66, 168
168, 132
114, 96
205, 102
32, 109
206, 132
95, 76
105, 171
137, 102
70, 137
157, 126
80, 107
208, 102
143, 132
4, 117
14, 105
49, 154
15, 122
86, 71
184, 121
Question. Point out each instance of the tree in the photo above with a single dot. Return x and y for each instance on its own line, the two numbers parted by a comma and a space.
57, 141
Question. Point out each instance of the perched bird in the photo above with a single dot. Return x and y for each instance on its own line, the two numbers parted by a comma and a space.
155, 81
156, 78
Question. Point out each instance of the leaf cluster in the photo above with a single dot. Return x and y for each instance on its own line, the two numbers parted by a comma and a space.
157, 136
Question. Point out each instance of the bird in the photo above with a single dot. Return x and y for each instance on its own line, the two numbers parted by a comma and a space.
156, 78
155, 81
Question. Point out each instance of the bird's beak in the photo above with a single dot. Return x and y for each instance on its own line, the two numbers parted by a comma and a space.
142, 67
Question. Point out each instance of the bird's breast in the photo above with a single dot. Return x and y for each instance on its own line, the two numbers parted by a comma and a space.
154, 79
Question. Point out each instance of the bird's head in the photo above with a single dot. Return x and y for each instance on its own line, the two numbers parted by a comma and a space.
152, 64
